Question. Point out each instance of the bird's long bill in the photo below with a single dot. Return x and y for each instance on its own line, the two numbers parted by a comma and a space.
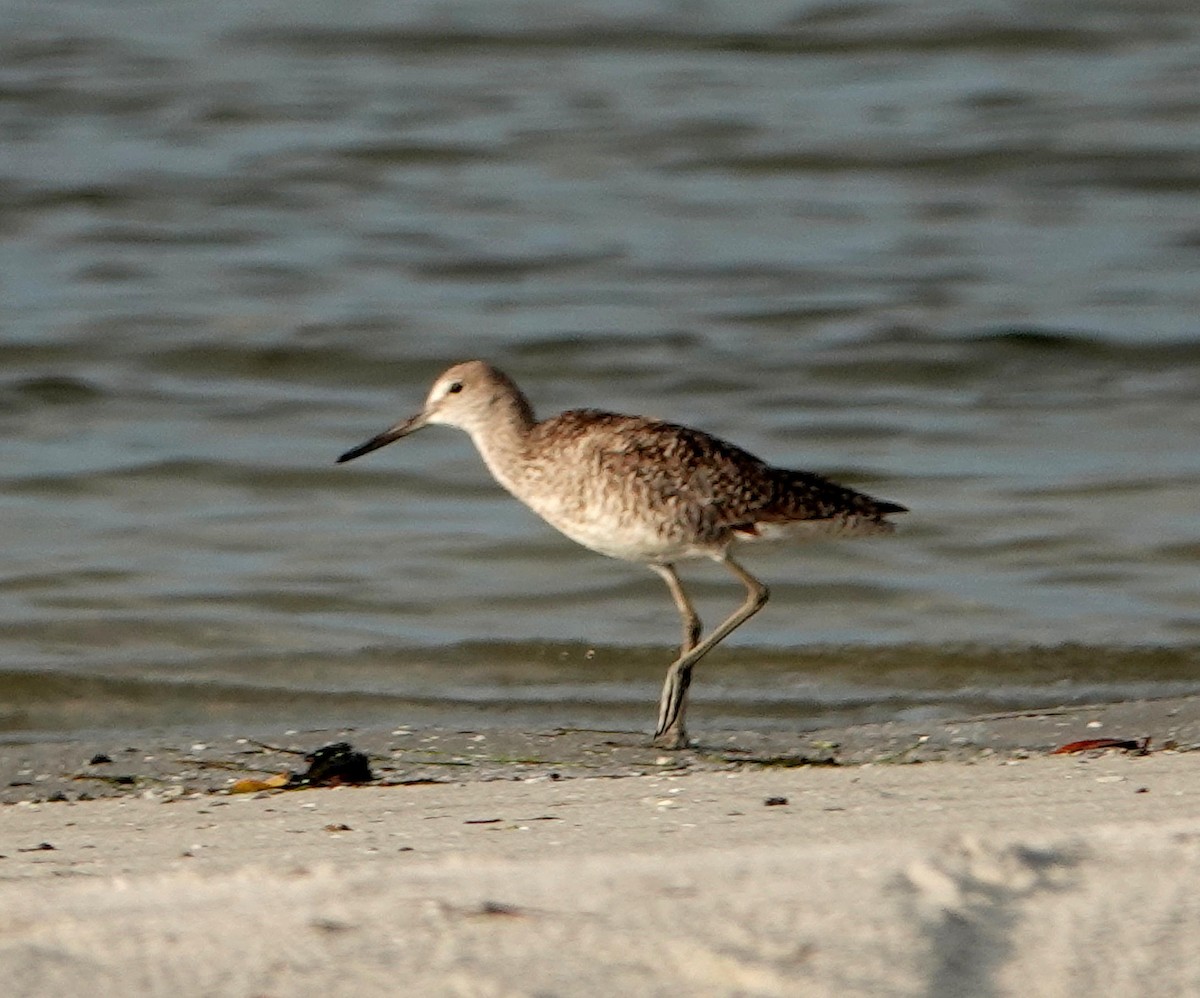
385, 438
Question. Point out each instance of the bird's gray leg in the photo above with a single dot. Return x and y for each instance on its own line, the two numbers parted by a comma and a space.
687, 612
691, 630
670, 732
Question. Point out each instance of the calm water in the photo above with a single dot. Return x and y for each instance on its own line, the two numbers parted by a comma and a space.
947, 252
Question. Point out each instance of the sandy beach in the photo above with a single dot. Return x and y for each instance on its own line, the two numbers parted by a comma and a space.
948, 859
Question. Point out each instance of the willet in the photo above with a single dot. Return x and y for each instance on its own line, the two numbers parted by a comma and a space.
642, 490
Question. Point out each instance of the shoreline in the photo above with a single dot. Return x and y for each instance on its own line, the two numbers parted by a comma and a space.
600, 865
174, 763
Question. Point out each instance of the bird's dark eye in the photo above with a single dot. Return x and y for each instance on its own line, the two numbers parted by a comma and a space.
455, 388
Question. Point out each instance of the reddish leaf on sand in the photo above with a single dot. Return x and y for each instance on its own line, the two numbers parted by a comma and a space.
1141, 747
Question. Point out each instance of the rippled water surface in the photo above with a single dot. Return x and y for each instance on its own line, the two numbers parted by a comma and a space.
943, 251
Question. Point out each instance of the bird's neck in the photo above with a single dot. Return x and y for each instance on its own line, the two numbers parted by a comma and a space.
501, 439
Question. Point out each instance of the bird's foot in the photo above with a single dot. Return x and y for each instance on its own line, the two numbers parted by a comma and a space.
672, 738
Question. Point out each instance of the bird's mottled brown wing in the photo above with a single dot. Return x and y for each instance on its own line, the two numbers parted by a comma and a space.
699, 481
801, 495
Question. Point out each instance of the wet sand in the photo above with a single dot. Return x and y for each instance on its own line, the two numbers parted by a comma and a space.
179, 764
581, 863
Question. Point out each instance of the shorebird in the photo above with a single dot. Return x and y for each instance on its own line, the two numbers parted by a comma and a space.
644, 491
